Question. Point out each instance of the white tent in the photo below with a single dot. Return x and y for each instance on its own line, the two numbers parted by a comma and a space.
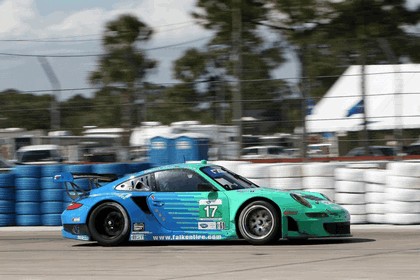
392, 100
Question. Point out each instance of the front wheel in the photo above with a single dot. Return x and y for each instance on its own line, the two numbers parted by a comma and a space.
109, 224
259, 223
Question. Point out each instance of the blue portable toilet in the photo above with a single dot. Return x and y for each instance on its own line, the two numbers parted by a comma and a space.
161, 150
190, 147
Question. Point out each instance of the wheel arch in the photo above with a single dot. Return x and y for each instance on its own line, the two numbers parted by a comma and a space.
247, 202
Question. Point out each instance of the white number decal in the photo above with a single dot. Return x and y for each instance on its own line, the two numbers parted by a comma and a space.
210, 210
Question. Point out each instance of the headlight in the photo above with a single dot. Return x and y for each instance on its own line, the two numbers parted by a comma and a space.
301, 200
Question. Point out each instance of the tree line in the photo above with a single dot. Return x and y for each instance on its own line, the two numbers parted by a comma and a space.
326, 36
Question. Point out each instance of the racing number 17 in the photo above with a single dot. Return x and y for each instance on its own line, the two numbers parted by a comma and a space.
210, 211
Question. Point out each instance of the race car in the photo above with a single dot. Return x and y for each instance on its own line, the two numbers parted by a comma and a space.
191, 202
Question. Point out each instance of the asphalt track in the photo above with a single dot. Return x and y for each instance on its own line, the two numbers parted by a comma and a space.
374, 252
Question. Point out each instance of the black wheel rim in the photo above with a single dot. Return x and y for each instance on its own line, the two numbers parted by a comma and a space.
109, 223
113, 224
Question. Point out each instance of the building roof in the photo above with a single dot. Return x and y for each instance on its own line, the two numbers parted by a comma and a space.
392, 100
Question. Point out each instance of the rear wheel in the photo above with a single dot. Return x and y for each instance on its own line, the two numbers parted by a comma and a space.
109, 224
259, 223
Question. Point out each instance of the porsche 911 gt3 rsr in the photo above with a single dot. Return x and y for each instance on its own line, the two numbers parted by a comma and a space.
193, 201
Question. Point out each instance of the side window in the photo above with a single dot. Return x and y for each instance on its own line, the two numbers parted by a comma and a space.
181, 180
142, 183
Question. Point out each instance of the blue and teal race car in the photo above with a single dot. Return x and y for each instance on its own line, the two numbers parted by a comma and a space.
193, 201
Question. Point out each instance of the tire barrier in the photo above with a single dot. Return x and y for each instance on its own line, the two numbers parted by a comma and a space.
403, 193
350, 192
27, 171
7, 200
80, 168
256, 173
119, 169
138, 166
286, 176
319, 177
30, 197
52, 195
375, 195
372, 193
231, 165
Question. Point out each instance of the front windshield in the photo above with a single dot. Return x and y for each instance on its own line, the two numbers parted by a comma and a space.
227, 179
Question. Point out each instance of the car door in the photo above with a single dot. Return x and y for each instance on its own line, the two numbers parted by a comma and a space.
186, 202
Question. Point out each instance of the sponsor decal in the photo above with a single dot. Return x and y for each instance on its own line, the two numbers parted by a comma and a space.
217, 171
211, 225
245, 191
137, 236
210, 202
82, 237
220, 225
124, 195
138, 227
186, 237
203, 225
75, 219
210, 209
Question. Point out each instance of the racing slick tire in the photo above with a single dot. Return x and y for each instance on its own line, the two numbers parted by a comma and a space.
109, 224
259, 223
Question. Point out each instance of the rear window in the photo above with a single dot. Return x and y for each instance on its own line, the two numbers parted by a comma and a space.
274, 150
388, 151
251, 151
41, 155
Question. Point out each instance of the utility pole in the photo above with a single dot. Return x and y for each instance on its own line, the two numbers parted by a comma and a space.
237, 67
54, 111
363, 84
305, 98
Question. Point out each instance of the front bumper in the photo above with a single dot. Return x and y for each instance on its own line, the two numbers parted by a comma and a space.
324, 223
318, 228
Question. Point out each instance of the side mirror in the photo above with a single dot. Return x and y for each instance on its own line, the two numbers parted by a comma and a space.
206, 188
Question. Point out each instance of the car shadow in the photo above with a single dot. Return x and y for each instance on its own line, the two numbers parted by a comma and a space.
294, 242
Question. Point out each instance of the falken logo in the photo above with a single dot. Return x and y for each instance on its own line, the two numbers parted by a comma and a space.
204, 225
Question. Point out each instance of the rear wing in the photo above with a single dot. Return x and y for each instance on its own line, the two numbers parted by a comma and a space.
92, 181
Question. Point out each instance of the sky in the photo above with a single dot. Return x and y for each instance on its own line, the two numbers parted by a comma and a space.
70, 27
75, 27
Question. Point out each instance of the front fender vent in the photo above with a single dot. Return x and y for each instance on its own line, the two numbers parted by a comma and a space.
292, 224
141, 202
